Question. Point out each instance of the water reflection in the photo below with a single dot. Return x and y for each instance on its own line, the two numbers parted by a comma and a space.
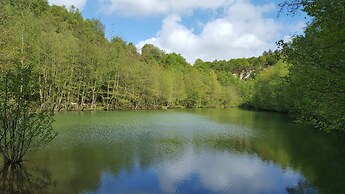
302, 187
225, 172
206, 171
208, 151
19, 179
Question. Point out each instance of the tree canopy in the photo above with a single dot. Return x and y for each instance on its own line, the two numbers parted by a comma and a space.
78, 68
317, 73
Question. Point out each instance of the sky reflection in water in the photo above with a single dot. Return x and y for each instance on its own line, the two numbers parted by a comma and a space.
203, 172
206, 151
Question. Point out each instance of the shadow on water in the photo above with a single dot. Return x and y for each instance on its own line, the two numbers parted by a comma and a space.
302, 187
18, 178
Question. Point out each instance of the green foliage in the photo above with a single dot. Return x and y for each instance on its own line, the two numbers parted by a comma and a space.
312, 86
176, 61
317, 72
152, 54
23, 127
269, 89
79, 69
35, 6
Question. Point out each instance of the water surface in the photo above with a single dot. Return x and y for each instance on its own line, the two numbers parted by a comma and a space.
189, 151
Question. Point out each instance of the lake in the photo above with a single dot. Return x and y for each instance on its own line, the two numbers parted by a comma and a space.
183, 151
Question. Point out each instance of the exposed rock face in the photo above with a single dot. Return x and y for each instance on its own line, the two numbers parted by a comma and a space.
245, 74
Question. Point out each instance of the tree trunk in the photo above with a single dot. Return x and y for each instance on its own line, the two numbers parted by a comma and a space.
93, 100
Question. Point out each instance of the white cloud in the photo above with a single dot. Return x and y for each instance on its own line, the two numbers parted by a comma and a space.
243, 31
294, 29
68, 3
158, 7
299, 27
225, 172
215, 172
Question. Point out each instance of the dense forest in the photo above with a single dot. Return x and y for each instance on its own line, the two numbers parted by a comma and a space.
73, 66
79, 69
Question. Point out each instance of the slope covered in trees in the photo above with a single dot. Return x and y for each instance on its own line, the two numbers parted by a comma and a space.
79, 69
312, 86
308, 80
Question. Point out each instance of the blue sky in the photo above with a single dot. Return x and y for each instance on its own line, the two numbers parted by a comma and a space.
205, 29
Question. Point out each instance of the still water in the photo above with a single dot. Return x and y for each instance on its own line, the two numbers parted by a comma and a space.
184, 151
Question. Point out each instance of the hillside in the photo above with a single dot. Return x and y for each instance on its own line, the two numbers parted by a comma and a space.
72, 66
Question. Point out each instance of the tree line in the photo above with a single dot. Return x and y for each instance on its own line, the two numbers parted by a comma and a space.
77, 68
310, 84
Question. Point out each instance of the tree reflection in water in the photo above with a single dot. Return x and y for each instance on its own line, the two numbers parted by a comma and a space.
19, 179
302, 187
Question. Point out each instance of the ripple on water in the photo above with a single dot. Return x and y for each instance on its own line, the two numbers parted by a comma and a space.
163, 130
